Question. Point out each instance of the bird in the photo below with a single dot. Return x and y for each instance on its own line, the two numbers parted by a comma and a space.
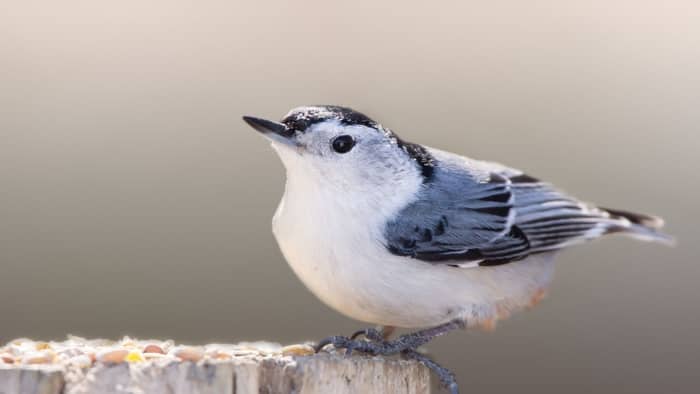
401, 235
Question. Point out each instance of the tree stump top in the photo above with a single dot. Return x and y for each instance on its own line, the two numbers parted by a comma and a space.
78, 365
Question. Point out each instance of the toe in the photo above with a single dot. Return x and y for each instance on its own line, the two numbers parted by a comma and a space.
337, 342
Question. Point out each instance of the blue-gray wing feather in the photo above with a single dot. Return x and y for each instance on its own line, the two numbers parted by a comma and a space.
475, 213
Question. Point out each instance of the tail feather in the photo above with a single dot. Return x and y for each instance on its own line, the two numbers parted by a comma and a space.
641, 219
637, 225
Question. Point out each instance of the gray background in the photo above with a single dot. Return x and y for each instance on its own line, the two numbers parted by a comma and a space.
134, 201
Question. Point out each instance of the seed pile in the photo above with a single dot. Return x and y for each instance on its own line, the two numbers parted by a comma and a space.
84, 353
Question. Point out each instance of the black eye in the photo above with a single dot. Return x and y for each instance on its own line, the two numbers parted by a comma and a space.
343, 143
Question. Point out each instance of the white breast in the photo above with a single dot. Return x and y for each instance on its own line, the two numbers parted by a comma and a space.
335, 247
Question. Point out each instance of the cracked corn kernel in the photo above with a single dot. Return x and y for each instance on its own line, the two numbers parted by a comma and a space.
222, 356
189, 353
153, 349
40, 357
7, 358
134, 357
297, 350
113, 356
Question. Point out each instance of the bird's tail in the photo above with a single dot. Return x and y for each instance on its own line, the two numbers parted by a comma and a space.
637, 225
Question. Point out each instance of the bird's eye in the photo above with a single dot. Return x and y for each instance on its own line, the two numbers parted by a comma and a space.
343, 143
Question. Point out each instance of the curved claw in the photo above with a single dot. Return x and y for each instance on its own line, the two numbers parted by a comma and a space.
370, 333
323, 343
359, 333
340, 342
350, 343
319, 346
373, 334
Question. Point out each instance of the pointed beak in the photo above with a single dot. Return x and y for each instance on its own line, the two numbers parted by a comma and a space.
269, 128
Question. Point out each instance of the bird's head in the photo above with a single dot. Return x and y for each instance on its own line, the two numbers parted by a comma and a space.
339, 147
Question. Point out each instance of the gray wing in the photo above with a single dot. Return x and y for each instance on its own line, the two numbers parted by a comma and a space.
477, 214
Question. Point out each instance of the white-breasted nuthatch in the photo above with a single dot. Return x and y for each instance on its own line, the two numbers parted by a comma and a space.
402, 235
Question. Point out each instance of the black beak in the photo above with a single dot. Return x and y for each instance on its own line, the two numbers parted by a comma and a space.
267, 126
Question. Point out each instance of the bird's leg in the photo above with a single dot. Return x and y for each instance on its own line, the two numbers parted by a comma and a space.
387, 332
378, 346
447, 378
373, 334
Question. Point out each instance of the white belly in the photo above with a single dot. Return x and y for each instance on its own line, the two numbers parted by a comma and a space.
340, 258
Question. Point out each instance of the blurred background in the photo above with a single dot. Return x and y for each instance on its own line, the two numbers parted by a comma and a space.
134, 201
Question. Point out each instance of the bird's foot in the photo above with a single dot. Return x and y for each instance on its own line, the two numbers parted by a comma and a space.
351, 344
374, 343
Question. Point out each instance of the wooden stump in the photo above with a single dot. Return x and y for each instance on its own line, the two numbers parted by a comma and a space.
269, 372
31, 379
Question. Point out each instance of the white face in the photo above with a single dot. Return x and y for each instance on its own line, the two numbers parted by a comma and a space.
346, 157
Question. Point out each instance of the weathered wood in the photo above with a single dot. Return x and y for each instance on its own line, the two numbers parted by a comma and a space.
31, 379
338, 374
269, 373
